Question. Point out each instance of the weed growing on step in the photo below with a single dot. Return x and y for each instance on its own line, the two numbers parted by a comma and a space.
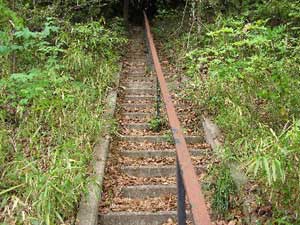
156, 124
169, 137
149, 70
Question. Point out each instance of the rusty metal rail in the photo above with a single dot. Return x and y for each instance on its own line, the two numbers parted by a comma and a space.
187, 181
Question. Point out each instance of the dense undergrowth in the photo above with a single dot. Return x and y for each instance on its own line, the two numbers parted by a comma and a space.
242, 63
54, 75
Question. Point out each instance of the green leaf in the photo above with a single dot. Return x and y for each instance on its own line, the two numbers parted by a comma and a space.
280, 170
257, 165
10, 189
4, 50
25, 33
274, 170
267, 170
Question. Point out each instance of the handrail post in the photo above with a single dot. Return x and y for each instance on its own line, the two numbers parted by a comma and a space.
181, 213
158, 99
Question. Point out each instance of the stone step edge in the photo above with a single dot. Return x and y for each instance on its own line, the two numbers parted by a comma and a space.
159, 139
137, 115
141, 105
148, 191
129, 89
139, 96
136, 83
136, 218
160, 153
155, 171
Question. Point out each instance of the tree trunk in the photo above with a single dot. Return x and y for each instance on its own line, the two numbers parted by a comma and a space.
125, 11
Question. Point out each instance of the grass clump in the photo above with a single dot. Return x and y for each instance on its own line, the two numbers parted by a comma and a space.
225, 189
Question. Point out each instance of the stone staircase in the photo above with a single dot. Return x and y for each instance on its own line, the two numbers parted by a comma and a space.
140, 183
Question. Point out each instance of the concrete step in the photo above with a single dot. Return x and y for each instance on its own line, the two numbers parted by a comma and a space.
137, 58
136, 54
139, 97
159, 153
130, 84
132, 68
137, 126
139, 91
136, 61
140, 75
136, 110
137, 107
138, 115
138, 64
163, 114
143, 106
148, 191
139, 78
155, 171
137, 70
136, 218
129, 107
160, 139
139, 83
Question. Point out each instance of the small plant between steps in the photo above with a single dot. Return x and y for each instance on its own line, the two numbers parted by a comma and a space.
156, 124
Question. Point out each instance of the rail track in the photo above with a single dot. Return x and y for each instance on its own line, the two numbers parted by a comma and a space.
152, 176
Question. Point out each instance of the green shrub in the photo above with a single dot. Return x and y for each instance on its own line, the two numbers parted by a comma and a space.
243, 69
51, 113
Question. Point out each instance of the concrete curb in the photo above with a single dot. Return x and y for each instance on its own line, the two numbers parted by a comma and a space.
88, 208
212, 133
214, 137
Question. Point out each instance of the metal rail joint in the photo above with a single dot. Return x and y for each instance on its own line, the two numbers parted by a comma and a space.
187, 181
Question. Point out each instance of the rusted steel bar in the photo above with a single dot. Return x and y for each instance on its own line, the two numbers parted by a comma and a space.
181, 213
190, 180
